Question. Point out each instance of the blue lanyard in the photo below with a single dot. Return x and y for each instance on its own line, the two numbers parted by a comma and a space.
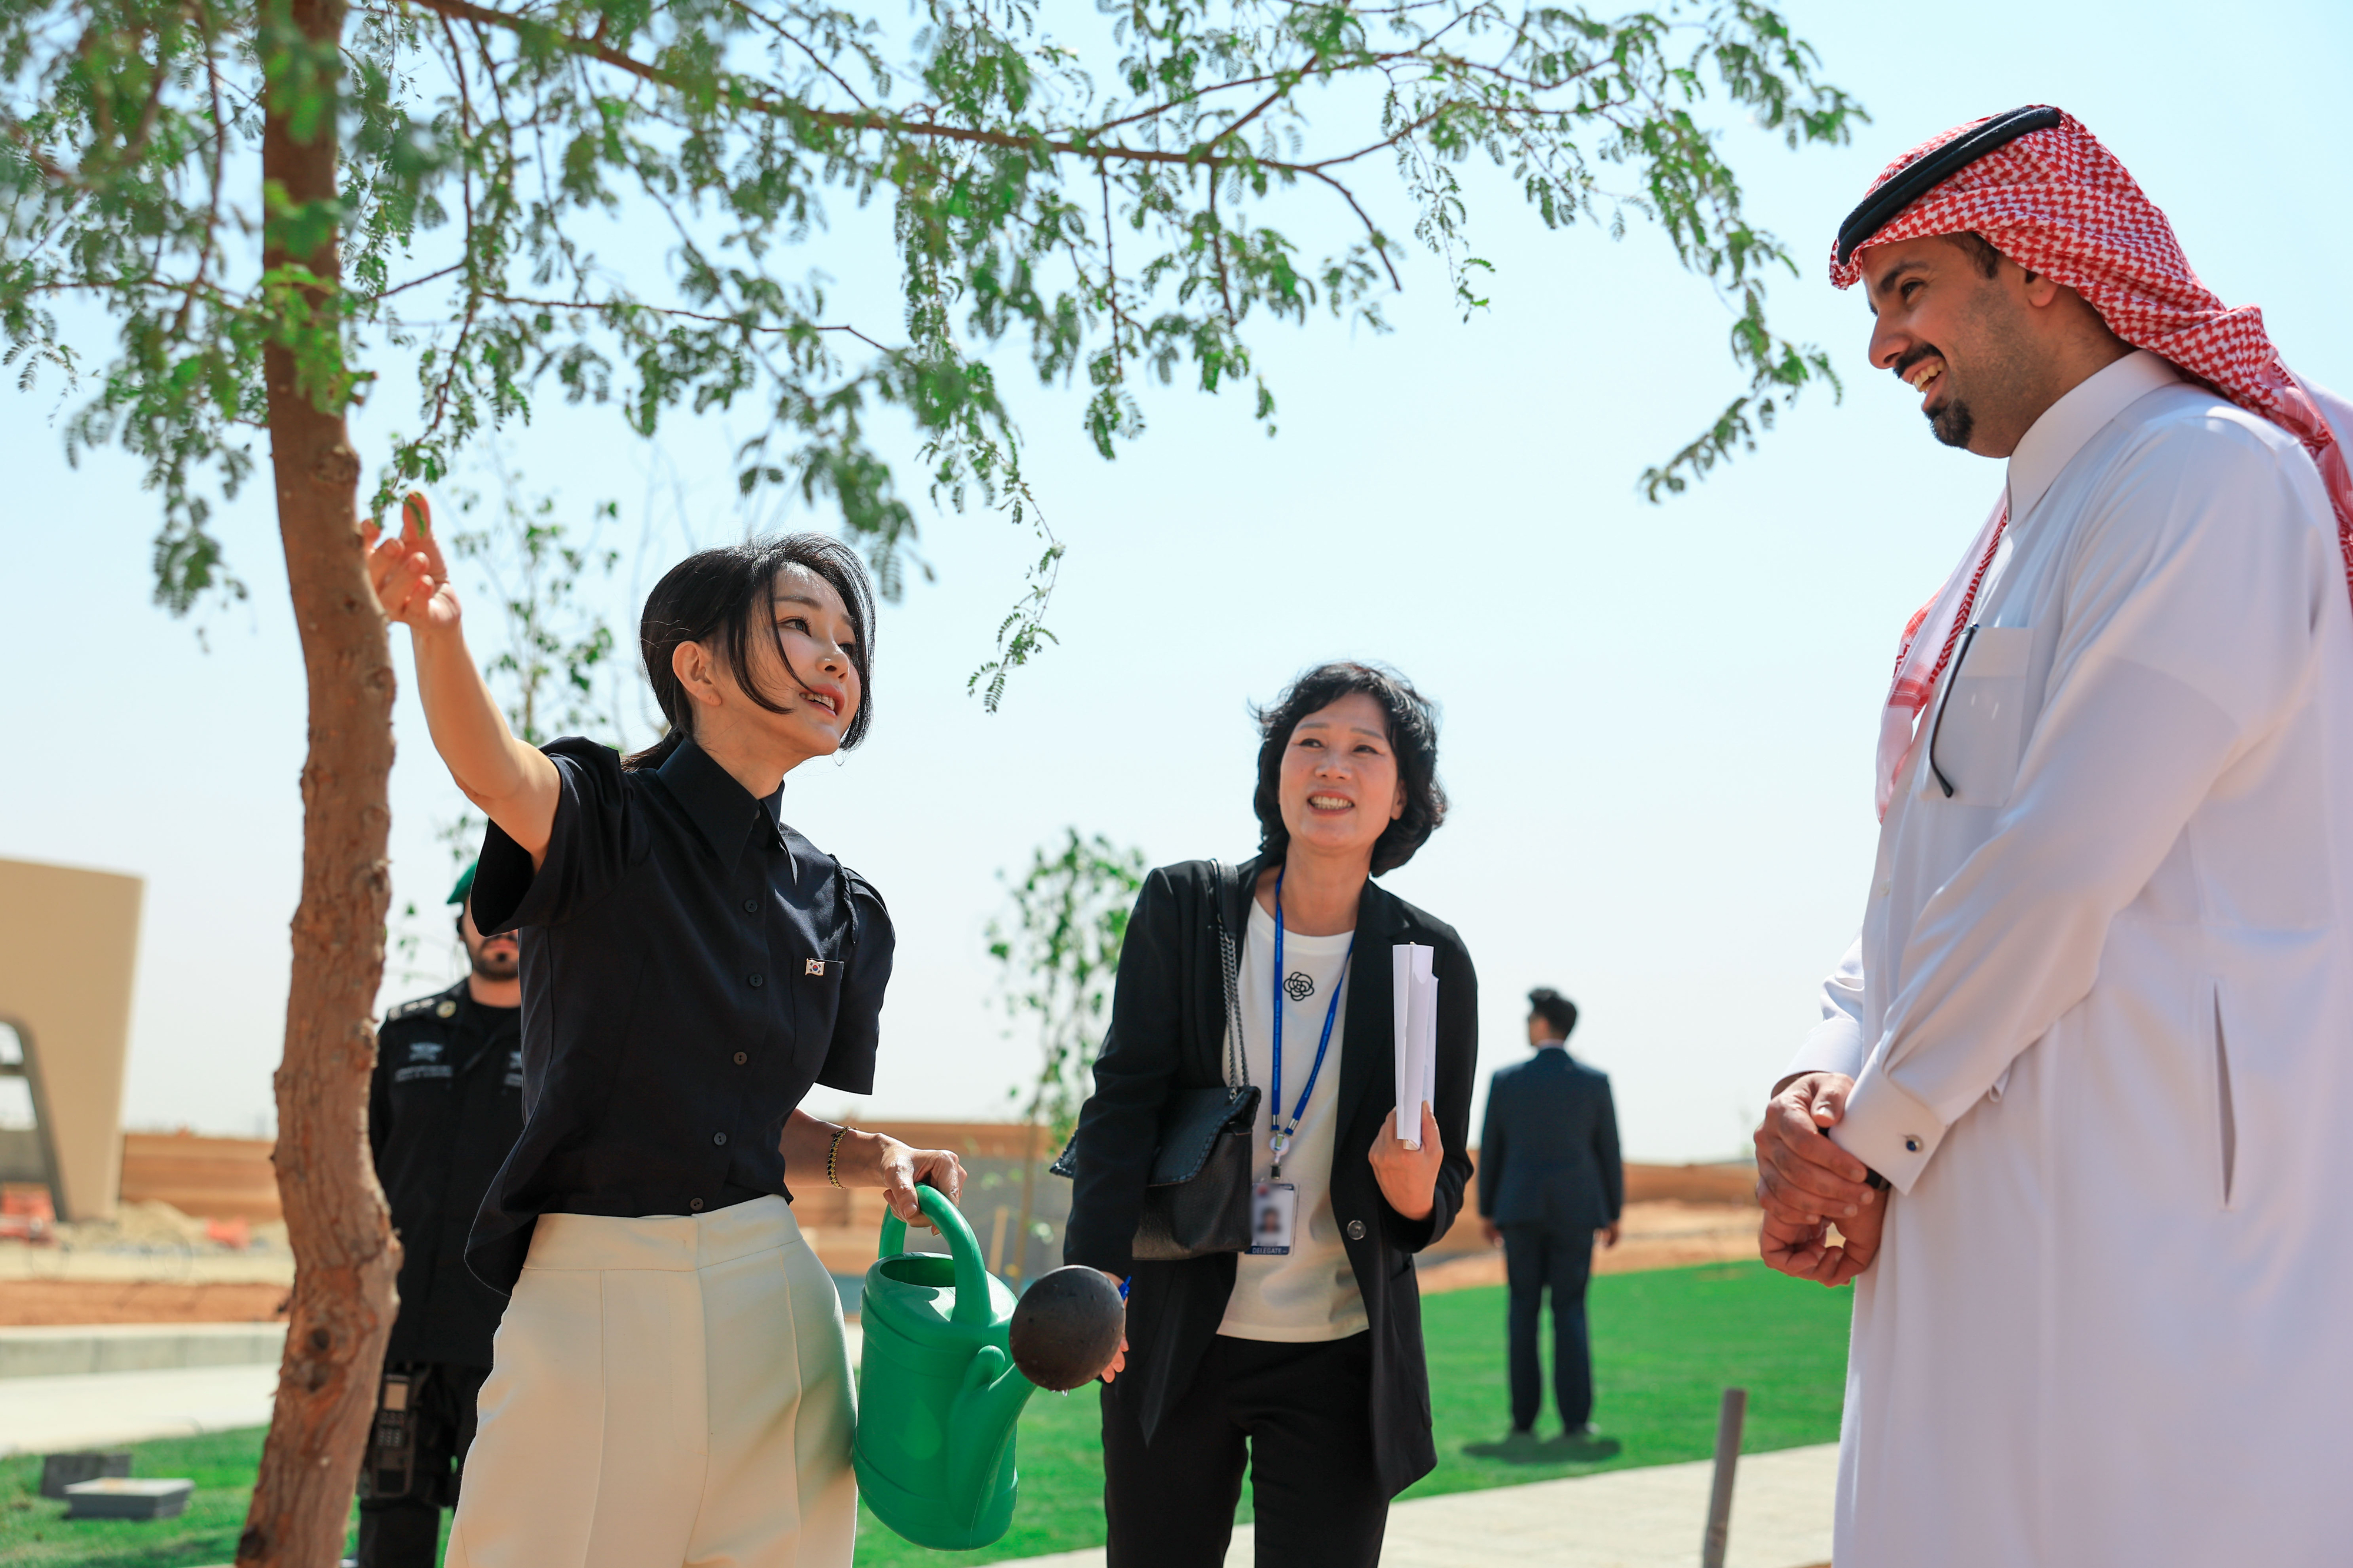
1281, 1134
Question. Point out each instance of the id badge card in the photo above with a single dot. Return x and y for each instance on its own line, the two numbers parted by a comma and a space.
1274, 1209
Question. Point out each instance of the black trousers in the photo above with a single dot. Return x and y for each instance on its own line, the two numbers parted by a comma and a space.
404, 1530
1299, 1416
1537, 1258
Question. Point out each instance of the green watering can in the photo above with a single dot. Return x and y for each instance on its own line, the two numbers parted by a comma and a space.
938, 1395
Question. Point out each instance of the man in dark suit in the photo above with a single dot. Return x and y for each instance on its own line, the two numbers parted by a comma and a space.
1549, 1179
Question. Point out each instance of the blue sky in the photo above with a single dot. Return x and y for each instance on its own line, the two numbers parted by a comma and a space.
1658, 721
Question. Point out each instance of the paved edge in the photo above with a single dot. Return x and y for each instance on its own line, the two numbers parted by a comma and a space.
71, 1349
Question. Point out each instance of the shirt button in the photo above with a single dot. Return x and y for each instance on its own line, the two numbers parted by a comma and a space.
694, 1206
719, 1137
1912, 1146
751, 906
741, 1058
758, 981
1355, 1230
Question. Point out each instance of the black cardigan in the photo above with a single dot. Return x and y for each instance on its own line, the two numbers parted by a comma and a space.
1167, 1032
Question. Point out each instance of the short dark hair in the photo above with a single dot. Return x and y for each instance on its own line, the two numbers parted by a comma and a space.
1553, 1008
1981, 250
1413, 736
717, 593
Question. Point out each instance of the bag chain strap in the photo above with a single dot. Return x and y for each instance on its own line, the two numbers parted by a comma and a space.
1237, 1063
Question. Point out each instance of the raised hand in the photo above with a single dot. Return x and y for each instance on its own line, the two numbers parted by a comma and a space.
407, 571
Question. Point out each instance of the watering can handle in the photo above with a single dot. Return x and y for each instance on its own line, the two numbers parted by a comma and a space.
972, 1304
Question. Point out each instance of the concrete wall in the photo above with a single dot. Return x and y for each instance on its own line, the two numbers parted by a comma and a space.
69, 944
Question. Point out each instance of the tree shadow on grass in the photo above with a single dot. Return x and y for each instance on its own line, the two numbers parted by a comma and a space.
1524, 1449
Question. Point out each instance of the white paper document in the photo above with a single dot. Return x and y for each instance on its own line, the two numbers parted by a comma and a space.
1414, 990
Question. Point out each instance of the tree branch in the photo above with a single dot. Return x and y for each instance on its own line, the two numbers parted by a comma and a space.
1218, 251
1371, 228
220, 163
1111, 276
39, 160
778, 28
592, 305
1079, 143
415, 282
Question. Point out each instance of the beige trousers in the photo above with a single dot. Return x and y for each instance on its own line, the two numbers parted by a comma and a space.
665, 1393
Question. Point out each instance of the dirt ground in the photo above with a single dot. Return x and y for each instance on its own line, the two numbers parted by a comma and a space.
150, 1264
52, 1284
25, 1303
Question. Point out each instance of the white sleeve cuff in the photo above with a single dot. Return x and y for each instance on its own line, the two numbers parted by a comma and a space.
1834, 1044
1887, 1129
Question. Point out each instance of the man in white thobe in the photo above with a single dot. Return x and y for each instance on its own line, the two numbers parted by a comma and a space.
2087, 1073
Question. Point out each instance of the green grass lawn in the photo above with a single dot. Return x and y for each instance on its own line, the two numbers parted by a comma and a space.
1666, 1345
33, 1529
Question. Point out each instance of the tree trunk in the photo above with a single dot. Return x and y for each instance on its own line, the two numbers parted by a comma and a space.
344, 1257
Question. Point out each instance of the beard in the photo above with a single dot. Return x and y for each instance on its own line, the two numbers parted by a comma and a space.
1953, 424
502, 964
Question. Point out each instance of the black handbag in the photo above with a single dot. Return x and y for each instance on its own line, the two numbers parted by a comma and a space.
1196, 1199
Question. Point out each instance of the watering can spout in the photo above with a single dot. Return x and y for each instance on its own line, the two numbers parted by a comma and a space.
988, 1408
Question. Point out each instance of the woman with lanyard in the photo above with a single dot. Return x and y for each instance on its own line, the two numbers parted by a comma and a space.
669, 1383
1302, 1357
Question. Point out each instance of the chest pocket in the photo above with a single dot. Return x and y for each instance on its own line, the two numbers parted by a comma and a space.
424, 1062
1979, 729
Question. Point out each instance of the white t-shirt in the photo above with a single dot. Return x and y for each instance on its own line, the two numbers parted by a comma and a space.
1310, 1294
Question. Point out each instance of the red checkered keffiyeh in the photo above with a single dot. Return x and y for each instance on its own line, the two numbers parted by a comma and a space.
2058, 203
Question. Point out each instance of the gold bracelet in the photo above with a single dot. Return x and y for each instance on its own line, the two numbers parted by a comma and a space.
833, 1156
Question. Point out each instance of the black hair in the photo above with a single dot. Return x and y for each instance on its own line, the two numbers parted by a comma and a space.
1981, 250
1553, 1008
1413, 736
717, 596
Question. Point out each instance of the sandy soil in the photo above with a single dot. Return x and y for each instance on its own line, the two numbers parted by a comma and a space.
160, 1268
28, 1303
151, 1263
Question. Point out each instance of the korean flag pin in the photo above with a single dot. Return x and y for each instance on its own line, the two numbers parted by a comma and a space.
813, 966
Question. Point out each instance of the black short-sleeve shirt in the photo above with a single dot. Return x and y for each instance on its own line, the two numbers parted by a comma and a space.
691, 967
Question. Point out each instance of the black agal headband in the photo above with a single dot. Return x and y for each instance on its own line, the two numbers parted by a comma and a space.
1923, 175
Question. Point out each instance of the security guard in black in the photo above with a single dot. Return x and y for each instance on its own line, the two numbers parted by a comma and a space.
445, 1108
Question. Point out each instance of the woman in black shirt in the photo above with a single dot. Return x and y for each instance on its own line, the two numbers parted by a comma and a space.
1302, 1359
671, 1383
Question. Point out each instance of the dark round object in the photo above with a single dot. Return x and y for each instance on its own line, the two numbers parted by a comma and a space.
1067, 1327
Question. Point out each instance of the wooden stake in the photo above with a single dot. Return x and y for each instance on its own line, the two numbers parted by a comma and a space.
1728, 1422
